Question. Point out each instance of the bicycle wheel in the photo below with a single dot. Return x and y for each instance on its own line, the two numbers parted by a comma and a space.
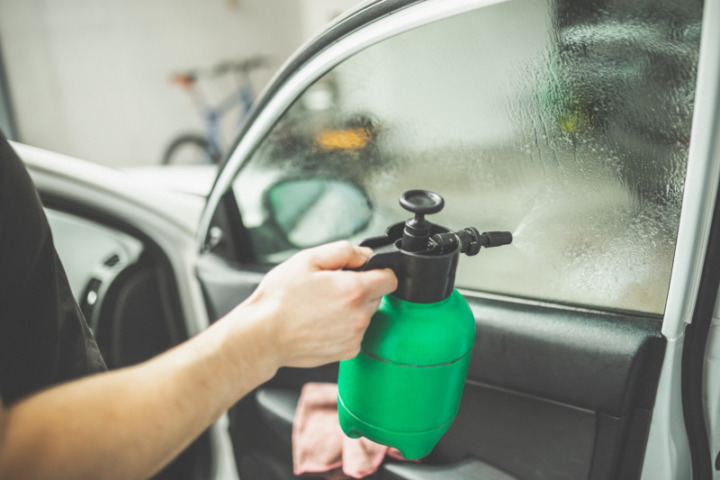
190, 149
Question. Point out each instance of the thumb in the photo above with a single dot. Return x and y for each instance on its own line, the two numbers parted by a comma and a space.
337, 255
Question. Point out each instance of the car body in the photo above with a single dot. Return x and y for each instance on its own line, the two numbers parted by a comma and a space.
591, 130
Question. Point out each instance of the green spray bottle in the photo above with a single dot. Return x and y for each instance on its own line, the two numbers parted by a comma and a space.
404, 387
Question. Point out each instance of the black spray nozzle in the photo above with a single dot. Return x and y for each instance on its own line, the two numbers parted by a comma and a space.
469, 240
495, 239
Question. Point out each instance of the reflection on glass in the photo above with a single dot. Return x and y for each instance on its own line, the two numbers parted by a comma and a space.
567, 123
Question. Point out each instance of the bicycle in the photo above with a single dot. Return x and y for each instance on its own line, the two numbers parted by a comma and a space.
207, 148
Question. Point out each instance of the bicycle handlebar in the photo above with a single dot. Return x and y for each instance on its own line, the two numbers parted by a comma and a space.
245, 65
187, 78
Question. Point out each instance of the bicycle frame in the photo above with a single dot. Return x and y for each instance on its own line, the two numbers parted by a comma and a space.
243, 96
212, 115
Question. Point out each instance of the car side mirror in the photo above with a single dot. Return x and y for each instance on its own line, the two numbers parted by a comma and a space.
313, 211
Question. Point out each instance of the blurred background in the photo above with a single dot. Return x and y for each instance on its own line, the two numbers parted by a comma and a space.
92, 79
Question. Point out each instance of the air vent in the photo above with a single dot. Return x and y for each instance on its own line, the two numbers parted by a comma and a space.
112, 260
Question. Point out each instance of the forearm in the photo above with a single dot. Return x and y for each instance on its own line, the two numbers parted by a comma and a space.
130, 422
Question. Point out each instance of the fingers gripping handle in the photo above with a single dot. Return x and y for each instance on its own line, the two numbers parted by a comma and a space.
386, 256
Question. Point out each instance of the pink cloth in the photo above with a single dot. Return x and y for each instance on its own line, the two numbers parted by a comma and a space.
320, 448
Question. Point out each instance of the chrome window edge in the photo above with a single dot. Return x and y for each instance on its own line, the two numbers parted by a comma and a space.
408, 18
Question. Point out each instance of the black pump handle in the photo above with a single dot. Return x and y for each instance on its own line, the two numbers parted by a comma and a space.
417, 230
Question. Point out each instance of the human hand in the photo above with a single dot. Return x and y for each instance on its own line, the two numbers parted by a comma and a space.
314, 311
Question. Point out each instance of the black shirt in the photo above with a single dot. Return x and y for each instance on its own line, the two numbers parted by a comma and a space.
44, 338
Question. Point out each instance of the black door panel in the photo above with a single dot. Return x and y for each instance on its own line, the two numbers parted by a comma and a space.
602, 362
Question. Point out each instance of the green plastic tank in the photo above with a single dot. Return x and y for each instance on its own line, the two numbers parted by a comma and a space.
404, 387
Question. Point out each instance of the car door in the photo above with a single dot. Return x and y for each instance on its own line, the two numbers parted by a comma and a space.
589, 130
129, 250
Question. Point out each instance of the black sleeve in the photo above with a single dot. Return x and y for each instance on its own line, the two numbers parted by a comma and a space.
44, 338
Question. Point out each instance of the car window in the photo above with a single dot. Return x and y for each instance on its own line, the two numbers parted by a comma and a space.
566, 123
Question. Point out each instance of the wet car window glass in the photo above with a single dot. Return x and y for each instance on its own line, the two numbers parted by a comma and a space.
567, 123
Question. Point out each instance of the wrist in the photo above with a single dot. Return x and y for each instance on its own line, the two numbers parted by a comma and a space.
247, 344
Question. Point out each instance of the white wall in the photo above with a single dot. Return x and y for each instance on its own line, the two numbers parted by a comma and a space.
317, 13
89, 78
